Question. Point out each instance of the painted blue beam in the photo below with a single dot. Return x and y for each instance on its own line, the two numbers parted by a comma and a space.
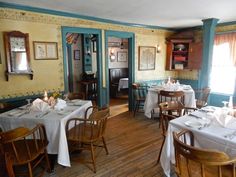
208, 41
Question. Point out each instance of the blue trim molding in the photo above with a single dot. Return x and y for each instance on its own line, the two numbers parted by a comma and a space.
131, 58
208, 41
97, 32
67, 14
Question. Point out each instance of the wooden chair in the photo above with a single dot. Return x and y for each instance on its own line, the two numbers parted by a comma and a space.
197, 162
23, 147
140, 92
80, 95
165, 96
202, 96
165, 117
166, 114
88, 133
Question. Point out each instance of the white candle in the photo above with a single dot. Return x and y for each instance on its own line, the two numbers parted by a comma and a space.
45, 96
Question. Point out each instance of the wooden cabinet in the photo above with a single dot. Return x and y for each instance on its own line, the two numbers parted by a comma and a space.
183, 54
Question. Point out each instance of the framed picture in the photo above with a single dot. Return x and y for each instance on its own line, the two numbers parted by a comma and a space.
122, 56
113, 44
147, 56
76, 55
45, 50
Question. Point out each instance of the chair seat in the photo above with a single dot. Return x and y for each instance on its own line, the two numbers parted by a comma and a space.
210, 171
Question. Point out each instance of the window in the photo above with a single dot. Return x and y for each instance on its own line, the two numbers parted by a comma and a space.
223, 72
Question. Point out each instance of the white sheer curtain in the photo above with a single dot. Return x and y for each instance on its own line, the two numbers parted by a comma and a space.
224, 64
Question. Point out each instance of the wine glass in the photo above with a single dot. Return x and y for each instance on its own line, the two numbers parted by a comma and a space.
226, 103
28, 104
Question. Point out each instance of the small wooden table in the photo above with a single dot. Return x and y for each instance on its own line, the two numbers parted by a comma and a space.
90, 88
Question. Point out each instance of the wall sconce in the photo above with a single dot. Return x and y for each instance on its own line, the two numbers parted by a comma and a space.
112, 55
158, 48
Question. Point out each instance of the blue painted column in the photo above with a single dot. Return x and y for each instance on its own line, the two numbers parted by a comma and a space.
208, 42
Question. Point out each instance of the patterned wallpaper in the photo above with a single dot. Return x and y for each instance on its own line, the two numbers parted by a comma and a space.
50, 74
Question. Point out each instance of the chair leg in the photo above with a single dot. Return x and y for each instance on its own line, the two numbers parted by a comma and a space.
49, 169
159, 155
9, 165
135, 108
93, 157
105, 146
30, 170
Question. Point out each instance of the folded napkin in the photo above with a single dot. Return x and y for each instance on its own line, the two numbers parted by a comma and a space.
224, 119
171, 87
40, 105
187, 87
61, 104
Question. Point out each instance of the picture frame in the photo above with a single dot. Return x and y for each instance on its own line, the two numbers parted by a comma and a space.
147, 57
113, 44
122, 56
76, 54
45, 50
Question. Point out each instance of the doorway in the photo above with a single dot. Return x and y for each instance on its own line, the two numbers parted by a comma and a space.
120, 70
82, 62
118, 74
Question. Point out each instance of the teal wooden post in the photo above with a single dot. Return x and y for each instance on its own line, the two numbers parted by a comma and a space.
208, 42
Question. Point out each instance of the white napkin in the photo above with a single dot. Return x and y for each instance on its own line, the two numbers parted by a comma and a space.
40, 105
61, 104
187, 87
224, 119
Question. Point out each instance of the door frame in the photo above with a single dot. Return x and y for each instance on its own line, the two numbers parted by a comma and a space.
79, 30
131, 58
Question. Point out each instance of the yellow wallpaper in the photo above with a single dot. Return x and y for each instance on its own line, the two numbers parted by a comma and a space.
48, 74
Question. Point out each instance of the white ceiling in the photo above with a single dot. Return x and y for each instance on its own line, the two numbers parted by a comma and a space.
164, 13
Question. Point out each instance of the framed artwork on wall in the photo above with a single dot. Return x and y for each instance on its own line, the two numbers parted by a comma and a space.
147, 56
45, 50
122, 56
76, 54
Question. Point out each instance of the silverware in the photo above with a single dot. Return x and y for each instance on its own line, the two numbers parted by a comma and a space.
193, 115
230, 135
204, 126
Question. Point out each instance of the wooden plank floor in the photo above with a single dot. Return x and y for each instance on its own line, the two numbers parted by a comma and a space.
133, 145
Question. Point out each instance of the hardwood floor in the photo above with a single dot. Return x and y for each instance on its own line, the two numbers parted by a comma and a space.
133, 145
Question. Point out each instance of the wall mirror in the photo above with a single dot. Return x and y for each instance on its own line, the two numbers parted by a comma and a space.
17, 53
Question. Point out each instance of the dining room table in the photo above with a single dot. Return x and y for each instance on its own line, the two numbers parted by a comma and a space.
151, 100
123, 83
212, 127
54, 122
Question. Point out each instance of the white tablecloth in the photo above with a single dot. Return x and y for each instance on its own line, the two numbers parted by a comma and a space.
152, 98
54, 123
123, 83
213, 137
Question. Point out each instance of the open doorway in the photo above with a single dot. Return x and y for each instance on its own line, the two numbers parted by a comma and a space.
118, 69
82, 67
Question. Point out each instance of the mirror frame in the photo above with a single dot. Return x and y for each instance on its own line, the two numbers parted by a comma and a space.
8, 51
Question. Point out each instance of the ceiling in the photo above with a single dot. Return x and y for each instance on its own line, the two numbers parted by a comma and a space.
163, 13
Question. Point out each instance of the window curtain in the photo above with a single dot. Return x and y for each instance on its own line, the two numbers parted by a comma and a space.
230, 39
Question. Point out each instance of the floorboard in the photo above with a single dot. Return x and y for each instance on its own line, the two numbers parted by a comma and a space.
133, 144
